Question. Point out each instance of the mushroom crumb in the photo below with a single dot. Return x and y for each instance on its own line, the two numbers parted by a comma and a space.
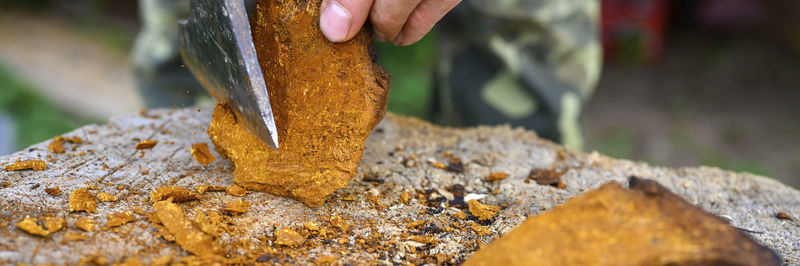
42, 226
201, 153
82, 200
236, 190
496, 176
146, 144
36, 165
177, 194
85, 224
288, 237
53, 191
103, 196
482, 211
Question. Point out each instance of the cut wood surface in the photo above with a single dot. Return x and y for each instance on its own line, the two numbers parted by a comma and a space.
408, 203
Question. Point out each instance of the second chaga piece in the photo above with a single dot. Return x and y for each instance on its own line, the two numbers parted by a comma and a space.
326, 98
644, 225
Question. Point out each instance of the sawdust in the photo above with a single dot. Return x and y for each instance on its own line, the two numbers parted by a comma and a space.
82, 200
36, 165
42, 226
326, 98
201, 154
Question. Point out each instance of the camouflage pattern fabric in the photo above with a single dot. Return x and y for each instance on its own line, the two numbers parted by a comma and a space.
530, 63
157, 65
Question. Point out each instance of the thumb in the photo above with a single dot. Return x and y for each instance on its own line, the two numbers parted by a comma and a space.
340, 20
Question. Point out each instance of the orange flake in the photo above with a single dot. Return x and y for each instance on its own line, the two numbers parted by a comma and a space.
201, 153
479, 229
53, 191
85, 224
186, 235
177, 194
119, 218
36, 165
439, 165
146, 144
42, 226
325, 260
496, 176
82, 200
482, 211
415, 225
405, 197
103, 196
288, 237
202, 189
70, 236
238, 206
460, 215
236, 190
311, 226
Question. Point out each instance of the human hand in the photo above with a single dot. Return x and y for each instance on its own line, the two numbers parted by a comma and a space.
402, 22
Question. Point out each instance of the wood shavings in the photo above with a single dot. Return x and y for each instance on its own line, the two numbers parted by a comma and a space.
237, 206
177, 194
203, 188
288, 237
201, 153
496, 176
482, 211
82, 200
119, 218
186, 235
146, 144
236, 190
36, 165
105, 197
85, 224
72, 236
42, 226
53, 191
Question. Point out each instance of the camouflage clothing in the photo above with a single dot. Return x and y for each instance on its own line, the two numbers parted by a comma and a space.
530, 63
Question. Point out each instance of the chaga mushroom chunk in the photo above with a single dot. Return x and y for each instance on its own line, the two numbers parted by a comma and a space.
326, 97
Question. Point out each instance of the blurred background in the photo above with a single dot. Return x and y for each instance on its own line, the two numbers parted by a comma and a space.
684, 83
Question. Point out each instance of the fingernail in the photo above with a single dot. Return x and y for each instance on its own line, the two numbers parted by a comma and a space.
399, 39
335, 22
379, 36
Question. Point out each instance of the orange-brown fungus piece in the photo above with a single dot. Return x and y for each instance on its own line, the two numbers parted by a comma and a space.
146, 144
53, 191
186, 235
85, 224
237, 206
203, 188
36, 165
119, 218
326, 98
103, 196
236, 190
201, 153
177, 194
611, 225
482, 211
42, 226
82, 200
496, 176
57, 145
72, 236
288, 237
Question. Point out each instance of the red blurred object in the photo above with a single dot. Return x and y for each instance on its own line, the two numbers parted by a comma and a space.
634, 30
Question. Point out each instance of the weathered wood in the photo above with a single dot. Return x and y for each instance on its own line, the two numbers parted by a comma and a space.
110, 160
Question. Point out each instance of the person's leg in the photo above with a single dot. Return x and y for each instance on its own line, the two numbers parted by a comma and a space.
161, 77
528, 63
